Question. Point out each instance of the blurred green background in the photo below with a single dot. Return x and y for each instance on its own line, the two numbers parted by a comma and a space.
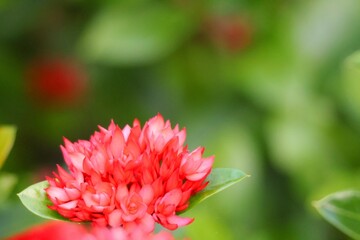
269, 87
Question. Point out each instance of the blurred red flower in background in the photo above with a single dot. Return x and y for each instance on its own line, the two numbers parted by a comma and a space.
230, 32
54, 230
58, 81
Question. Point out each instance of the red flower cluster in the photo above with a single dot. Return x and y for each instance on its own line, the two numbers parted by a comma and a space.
130, 177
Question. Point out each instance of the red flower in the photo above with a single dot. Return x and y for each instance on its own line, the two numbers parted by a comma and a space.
54, 230
130, 177
231, 32
56, 81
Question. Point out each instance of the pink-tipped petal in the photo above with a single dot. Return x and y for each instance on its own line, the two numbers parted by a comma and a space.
117, 143
72, 193
69, 205
65, 176
147, 223
173, 197
179, 221
196, 176
77, 159
206, 164
57, 193
121, 193
115, 218
147, 194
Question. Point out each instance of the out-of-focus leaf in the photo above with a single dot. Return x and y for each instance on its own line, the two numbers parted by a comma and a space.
3, 4
7, 138
34, 198
351, 85
14, 218
131, 36
342, 209
219, 179
295, 141
208, 226
7, 183
317, 32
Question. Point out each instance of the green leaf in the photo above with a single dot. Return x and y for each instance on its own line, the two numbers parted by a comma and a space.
7, 183
350, 84
219, 179
342, 209
34, 198
7, 138
122, 35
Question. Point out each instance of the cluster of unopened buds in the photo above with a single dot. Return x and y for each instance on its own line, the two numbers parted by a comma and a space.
126, 179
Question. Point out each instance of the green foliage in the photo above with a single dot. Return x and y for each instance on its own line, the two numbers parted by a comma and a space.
7, 180
7, 138
128, 36
342, 209
351, 85
7, 183
208, 225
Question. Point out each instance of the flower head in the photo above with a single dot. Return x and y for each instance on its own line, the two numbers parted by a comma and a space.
130, 177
